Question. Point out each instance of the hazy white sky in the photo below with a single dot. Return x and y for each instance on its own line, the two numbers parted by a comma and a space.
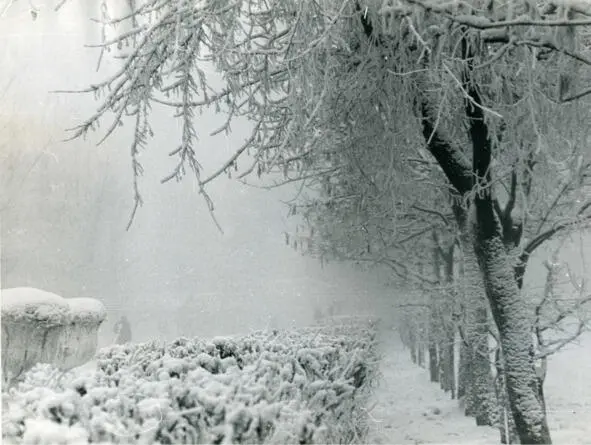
174, 263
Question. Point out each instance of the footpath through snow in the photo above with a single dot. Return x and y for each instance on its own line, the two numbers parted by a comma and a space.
409, 409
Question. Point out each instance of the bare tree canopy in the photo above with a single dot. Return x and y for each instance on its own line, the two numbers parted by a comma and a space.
317, 77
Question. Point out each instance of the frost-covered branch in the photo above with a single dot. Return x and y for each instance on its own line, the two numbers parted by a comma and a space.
437, 213
580, 220
303, 72
550, 314
576, 96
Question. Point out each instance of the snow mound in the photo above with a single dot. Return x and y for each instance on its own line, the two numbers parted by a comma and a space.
46, 432
86, 310
42, 327
43, 307
24, 304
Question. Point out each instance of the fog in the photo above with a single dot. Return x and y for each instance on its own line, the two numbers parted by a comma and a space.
66, 205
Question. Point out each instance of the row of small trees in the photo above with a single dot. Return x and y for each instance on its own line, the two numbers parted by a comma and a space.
416, 128
462, 353
501, 202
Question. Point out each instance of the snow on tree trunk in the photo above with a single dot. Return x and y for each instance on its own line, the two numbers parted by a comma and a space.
449, 368
482, 389
480, 396
513, 321
448, 327
435, 319
505, 420
446, 348
433, 333
464, 372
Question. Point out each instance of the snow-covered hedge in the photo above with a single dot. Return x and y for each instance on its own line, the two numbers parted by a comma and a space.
42, 327
303, 386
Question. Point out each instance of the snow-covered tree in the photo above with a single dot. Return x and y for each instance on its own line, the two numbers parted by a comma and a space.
490, 90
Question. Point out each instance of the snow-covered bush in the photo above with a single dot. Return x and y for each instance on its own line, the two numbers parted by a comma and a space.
302, 386
42, 327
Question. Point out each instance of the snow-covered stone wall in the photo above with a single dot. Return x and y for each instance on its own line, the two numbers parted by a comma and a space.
42, 327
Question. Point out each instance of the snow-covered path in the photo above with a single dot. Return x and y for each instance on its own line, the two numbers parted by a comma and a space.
411, 410
408, 409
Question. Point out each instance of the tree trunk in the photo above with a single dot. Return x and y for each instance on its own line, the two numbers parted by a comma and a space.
509, 311
483, 395
446, 348
447, 376
505, 420
442, 371
434, 332
421, 353
448, 321
434, 319
443, 384
433, 361
480, 396
403, 331
413, 345
513, 320
450, 366
464, 372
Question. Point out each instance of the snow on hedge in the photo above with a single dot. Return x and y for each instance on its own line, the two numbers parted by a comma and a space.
42, 327
304, 386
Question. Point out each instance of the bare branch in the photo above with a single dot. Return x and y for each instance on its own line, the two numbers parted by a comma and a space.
577, 96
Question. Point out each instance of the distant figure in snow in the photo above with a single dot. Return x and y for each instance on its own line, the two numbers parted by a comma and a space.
318, 315
122, 331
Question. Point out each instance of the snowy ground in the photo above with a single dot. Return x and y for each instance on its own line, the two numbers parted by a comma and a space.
568, 393
411, 410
